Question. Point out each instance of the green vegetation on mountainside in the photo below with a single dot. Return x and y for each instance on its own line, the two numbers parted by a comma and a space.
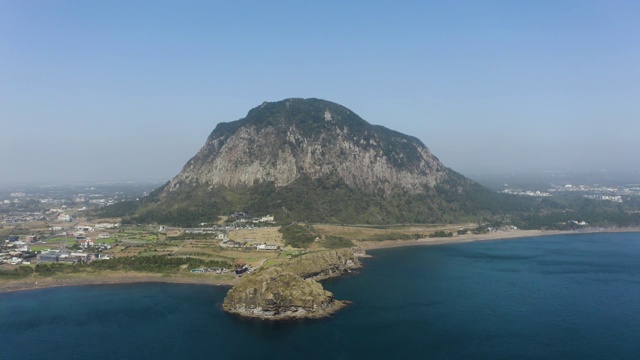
328, 200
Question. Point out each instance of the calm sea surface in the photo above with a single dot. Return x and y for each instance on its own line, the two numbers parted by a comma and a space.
556, 297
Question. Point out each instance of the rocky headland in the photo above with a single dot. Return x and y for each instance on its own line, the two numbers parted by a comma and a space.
326, 264
290, 291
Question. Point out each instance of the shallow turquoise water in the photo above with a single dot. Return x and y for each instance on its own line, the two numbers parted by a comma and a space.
569, 297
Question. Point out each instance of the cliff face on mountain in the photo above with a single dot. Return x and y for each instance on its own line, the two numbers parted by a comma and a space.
316, 161
283, 141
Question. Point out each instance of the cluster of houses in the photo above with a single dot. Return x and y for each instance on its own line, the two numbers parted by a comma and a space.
14, 251
244, 217
248, 244
17, 252
96, 227
64, 218
242, 221
581, 223
210, 271
59, 215
614, 198
536, 193
65, 256
80, 233
505, 228
89, 243
17, 217
205, 230
23, 217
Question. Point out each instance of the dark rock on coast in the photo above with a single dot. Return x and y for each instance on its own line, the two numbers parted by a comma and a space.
324, 264
290, 291
276, 294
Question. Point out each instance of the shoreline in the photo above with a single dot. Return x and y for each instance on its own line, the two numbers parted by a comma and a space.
107, 279
132, 277
506, 235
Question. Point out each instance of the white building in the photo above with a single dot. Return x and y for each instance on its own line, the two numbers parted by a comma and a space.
107, 225
86, 228
86, 243
65, 218
267, 218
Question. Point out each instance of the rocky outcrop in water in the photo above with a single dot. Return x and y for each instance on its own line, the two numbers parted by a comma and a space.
290, 291
276, 294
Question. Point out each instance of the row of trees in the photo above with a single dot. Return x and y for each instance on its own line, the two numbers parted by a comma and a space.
155, 263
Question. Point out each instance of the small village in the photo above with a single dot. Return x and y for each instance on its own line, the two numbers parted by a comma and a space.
243, 240
41, 225
595, 192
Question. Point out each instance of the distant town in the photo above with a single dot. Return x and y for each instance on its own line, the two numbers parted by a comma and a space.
594, 192
63, 203
49, 224
58, 236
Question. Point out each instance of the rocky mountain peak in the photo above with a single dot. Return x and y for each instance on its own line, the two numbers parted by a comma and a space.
283, 141
313, 160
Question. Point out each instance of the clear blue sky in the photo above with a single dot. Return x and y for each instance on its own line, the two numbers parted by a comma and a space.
129, 90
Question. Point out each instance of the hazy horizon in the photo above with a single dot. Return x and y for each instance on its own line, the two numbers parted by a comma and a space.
116, 91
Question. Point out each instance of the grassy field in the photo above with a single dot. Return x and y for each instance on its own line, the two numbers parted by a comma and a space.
260, 235
131, 241
61, 239
134, 235
121, 250
40, 247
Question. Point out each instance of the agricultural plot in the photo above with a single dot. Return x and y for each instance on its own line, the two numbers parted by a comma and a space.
269, 235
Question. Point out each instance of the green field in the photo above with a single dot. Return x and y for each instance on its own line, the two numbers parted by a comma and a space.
134, 235
60, 239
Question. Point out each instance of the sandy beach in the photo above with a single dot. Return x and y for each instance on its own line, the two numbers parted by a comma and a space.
502, 235
131, 277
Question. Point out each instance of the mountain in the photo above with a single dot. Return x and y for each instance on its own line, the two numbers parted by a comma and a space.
314, 160
283, 141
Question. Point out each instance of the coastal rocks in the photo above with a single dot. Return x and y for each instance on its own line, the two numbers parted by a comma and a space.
290, 291
324, 264
276, 294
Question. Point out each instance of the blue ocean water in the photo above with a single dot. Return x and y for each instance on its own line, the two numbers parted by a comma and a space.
555, 297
